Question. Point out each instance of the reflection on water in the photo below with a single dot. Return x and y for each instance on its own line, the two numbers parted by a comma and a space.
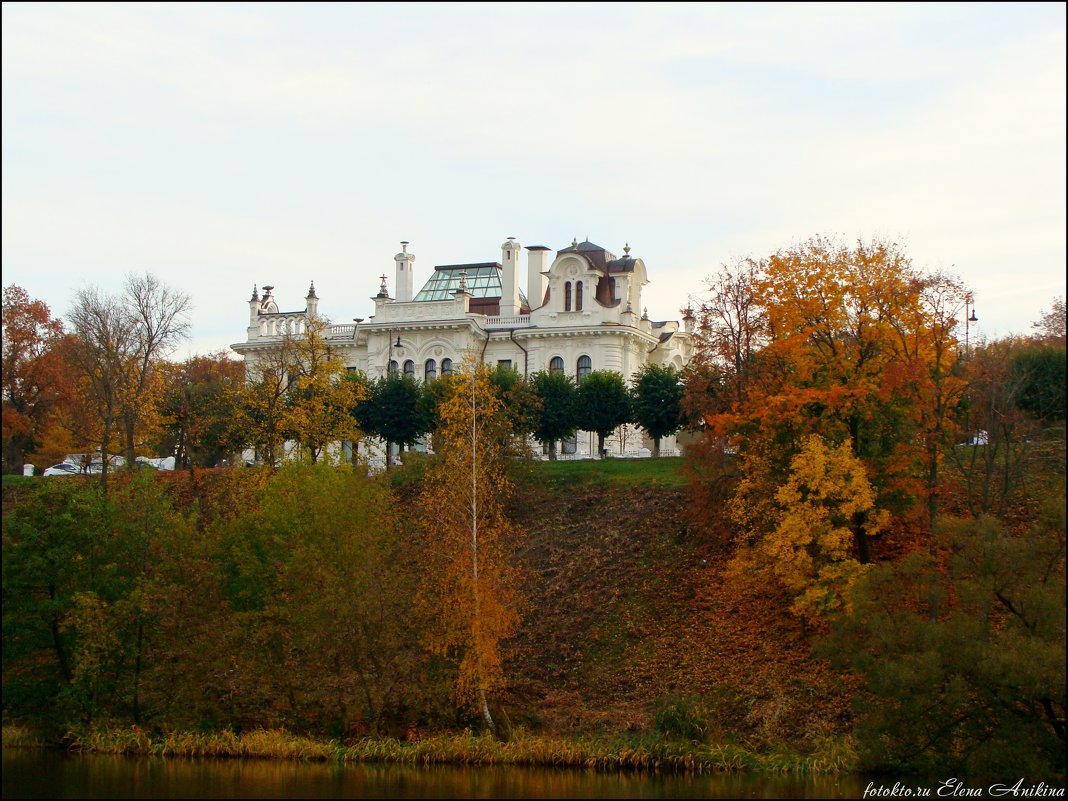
37, 773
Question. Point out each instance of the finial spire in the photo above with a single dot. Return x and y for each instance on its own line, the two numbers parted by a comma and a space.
382, 287
255, 292
311, 291
626, 248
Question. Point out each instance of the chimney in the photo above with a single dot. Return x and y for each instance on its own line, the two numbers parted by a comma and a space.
537, 263
510, 278
405, 264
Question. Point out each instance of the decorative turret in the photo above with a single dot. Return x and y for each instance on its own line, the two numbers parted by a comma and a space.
687, 320
510, 278
254, 306
313, 301
405, 264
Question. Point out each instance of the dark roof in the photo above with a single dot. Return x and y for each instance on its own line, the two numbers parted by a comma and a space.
467, 266
596, 255
624, 265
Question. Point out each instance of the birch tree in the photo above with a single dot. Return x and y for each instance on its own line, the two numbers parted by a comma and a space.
471, 591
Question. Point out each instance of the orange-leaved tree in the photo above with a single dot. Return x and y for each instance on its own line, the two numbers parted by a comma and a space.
848, 342
471, 586
33, 374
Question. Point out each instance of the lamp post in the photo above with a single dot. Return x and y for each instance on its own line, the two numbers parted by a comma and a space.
389, 358
969, 306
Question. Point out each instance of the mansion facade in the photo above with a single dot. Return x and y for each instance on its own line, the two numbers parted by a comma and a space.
575, 312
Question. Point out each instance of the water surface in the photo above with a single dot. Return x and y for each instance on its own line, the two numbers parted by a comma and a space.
44, 773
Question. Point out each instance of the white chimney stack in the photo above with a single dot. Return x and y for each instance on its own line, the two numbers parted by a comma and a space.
510, 278
537, 263
405, 265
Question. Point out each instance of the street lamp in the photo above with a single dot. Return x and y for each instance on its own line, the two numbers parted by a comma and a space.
389, 359
969, 306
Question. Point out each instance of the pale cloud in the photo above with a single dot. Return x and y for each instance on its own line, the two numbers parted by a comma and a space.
222, 145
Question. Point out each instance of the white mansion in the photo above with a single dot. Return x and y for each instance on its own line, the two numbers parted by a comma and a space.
580, 312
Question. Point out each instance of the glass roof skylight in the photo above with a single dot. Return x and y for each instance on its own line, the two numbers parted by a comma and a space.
483, 281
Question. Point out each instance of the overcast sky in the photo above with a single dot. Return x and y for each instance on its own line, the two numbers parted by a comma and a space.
221, 146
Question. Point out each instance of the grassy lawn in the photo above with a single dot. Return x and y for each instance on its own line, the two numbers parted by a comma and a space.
16, 481
665, 472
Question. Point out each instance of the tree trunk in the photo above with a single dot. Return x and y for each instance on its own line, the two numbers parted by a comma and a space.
128, 425
486, 716
656, 447
600, 445
861, 537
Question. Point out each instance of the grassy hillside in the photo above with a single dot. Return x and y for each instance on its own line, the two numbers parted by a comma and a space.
627, 626
627, 616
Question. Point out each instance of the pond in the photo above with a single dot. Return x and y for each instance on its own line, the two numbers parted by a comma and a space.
43, 773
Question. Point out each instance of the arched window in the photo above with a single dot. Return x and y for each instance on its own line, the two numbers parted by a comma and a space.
556, 365
430, 370
392, 366
567, 296
409, 369
578, 296
446, 366
585, 364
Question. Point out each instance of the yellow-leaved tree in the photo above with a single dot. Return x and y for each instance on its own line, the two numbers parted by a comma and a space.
804, 538
470, 591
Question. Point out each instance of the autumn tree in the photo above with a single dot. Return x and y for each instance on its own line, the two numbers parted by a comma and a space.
431, 395
33, 374
1050, 327
656, 402
159, 319
261, 414
102, 354
471, 587
197, 408
803, 537
732, 325
316, 573
1015, 391
856, 345
925, 376
319, 403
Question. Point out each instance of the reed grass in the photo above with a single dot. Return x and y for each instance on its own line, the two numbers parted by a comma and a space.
15, 736
467, 748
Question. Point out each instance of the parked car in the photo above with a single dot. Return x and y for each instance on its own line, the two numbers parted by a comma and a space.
62, 469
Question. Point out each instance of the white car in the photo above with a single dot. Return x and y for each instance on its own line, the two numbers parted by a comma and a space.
63, 469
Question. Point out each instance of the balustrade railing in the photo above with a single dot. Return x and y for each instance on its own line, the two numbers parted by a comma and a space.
518, 321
